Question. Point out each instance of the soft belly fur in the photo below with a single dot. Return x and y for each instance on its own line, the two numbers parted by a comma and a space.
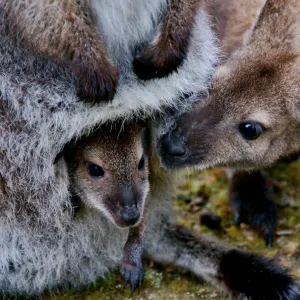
127, 24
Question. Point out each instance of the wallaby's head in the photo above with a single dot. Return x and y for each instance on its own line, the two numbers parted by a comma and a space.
252, 114
109, 172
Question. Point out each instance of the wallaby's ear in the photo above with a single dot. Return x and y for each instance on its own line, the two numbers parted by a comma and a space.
276, 25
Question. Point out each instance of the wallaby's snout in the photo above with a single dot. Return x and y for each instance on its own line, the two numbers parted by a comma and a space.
173, 145
130, 215
131, 205
189, 142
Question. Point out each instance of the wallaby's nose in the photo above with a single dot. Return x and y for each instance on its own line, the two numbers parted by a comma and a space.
130, 215
173, 144
131, 205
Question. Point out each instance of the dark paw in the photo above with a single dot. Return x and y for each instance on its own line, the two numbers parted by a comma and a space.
154, 63
257, 278
133, 274
263, 222
95, 85
252, 203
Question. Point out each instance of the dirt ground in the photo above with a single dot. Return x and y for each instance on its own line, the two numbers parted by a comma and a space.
208, 190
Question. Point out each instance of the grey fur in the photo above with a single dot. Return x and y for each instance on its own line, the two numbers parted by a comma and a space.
41, 245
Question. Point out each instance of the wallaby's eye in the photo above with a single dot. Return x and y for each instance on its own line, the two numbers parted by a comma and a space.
251, 130
94, 170
141, 165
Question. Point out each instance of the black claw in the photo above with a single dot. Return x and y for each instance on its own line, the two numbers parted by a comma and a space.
134, 276
96, 91
269, 238
237, 219
146, 69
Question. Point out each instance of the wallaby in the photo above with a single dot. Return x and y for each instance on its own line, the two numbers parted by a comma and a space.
43, 245
66, 31
251, 117
108, 172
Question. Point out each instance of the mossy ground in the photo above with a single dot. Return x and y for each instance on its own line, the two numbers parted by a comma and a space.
209, 188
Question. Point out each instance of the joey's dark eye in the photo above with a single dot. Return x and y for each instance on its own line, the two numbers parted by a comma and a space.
94, 170
251, 130
141, 165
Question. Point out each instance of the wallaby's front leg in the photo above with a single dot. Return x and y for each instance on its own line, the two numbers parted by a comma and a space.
96, 77
233, 271
132, 267
63, 30
168, 50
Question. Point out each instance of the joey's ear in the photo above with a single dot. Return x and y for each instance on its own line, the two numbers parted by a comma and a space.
276, 25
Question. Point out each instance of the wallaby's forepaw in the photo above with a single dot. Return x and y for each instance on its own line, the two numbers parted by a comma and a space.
159, 60
256, 277
263, 221
133, 273
252, 203
95, 81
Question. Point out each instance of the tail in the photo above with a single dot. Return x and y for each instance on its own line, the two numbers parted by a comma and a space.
235, 272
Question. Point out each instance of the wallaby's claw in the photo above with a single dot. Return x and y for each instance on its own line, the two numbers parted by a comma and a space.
134, 275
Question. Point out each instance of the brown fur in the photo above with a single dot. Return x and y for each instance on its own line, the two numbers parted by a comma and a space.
169, 49
63, 30
259, 82
122, 188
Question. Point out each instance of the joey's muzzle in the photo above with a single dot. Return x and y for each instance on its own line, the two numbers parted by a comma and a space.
130, 215
130, 206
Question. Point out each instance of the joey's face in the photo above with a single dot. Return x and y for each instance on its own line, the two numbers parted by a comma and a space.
111, 174
249, 120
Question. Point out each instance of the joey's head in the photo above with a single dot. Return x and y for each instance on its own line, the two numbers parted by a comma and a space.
251, 117
109, 172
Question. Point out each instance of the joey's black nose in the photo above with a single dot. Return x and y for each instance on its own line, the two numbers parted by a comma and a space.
130, 215
173, 144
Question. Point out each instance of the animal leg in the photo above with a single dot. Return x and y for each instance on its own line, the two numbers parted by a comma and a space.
132, 267
168, 50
